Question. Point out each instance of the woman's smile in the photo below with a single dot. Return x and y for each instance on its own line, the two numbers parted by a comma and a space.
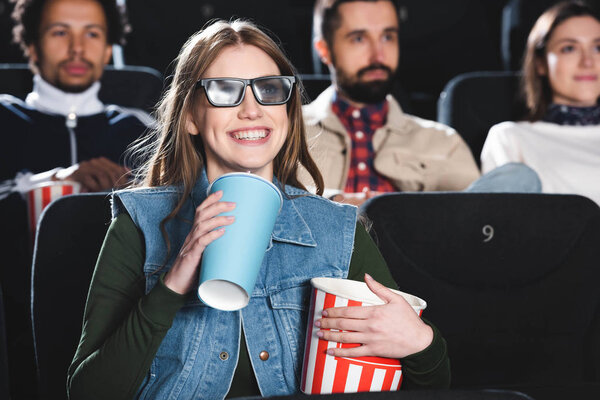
586, 77
251, 136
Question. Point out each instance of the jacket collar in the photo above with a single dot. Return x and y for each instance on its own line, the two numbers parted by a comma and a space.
48, 99
396, 117
199, 190
290, 227
319, 112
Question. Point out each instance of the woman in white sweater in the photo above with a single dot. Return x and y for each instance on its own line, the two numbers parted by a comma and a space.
561, 84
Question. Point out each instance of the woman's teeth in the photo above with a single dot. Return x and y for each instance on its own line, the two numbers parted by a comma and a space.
250, 135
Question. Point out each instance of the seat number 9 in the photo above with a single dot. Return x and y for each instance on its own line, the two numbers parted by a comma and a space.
488, 232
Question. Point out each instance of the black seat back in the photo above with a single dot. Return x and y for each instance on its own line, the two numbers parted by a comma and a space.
518, 17
131, 86
511, 280
4, 377
70, 234
473, 102
314, 84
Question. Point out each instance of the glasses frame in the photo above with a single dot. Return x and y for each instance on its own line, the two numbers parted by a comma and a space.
247, 82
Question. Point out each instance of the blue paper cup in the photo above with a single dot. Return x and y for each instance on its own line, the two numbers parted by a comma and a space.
231, 263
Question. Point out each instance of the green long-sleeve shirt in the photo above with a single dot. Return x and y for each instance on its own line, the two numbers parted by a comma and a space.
123, 327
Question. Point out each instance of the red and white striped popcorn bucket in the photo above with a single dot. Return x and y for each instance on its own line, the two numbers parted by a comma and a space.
43, 194
323, 373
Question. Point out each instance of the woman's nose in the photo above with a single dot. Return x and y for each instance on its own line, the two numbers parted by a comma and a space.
587, 58
249, 108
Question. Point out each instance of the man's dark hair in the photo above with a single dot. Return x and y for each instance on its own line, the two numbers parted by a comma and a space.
28, 16
326, 17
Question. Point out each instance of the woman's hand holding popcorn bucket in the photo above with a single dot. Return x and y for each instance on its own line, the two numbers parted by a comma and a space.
356, 335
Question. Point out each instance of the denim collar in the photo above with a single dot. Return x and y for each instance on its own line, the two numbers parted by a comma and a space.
290, 227
199, 190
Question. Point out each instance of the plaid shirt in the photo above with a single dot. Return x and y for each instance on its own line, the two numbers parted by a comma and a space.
361, 124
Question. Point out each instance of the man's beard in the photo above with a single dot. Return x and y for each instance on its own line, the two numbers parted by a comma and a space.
56, 81
67, 88
371, 92
70, 88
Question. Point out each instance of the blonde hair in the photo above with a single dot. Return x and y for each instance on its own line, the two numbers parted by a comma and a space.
177, 157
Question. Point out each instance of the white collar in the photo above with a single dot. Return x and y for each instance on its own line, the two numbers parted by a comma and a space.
49, 99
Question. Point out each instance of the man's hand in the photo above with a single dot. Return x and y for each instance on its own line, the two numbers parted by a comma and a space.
355, 199
96, 175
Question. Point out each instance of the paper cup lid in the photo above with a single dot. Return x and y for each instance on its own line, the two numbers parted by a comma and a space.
359, 291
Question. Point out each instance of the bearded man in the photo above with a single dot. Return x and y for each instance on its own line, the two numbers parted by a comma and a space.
361, 140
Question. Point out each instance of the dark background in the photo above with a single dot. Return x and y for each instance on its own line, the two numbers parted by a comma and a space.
439, 38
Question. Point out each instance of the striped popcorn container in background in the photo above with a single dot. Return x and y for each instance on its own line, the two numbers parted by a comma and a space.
325, 374
43, 194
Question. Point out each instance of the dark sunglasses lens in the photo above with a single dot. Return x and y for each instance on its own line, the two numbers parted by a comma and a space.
224, 92
272, 90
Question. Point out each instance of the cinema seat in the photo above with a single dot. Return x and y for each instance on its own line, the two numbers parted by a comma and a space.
511, 281
70, 233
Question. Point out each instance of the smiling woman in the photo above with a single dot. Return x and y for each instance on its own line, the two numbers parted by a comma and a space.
562, 59
573, 62
561, 84
234, 106
246, 134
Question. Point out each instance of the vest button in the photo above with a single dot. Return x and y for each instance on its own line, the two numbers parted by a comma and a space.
264, 355
224, 356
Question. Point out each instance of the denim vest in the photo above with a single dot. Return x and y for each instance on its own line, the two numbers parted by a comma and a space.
198, 356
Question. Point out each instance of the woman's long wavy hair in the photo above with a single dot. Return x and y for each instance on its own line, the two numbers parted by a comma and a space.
177, 157
535, 87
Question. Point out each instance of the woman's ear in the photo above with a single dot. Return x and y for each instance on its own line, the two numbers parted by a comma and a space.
190, 125
541, 67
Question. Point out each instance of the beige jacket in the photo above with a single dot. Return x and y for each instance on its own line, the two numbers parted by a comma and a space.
415, 154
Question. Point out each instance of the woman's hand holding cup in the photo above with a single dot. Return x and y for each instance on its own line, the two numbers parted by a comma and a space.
391, 330
207, 226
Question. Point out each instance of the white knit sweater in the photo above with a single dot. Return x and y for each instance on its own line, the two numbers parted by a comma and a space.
566, 158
